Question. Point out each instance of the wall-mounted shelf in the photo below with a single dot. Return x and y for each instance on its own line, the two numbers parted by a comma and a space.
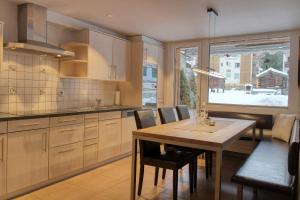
77, 66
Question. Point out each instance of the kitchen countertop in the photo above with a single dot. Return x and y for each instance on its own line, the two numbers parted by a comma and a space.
63, 112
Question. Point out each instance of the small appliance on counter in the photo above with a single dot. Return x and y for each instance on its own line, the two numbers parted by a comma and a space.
117, 97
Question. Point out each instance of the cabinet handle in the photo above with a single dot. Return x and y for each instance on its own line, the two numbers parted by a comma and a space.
88, 145
111, 123
45, 140
2, 149
68, 130
70, 120
68, 150
91, 126
24, 125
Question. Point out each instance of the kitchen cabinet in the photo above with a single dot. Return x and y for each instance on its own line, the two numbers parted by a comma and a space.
121, 59
91, 130
27, 158
100, 56
108, 57
65, 159
90, 152
109, 139
3, 158
62, 135
128, 125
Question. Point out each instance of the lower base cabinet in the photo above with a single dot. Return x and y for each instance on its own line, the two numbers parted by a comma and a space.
128, 125
27, 160
3, 147
65, 159
90, 152
109, 139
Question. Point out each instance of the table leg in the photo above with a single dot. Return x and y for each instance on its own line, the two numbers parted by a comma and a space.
253, 135
133, 168
218, 178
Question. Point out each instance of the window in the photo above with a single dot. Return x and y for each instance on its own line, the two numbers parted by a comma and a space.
154, 72
256, 73
186, 60
150, 86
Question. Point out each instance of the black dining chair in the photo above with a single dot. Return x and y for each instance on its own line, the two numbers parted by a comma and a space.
167, 115
183, 113
151, 155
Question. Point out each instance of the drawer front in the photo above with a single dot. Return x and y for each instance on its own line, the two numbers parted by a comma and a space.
65, 159
90, 152
28, 124
91, 117
62, 135
109, 115
66, 120
91, 130
3, 127
109, 139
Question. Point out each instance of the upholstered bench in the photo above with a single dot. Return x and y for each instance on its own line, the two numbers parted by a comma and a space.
273, 166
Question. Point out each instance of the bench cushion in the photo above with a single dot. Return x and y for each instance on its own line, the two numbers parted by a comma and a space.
267, 168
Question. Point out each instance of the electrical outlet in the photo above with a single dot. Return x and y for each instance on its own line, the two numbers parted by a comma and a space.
12, 91
61, 93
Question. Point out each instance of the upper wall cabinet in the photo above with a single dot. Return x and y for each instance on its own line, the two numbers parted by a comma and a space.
107, 57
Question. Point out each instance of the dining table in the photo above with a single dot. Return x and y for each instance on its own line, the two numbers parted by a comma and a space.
194, 133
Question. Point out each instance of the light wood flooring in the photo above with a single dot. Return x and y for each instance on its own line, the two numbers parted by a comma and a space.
112, 182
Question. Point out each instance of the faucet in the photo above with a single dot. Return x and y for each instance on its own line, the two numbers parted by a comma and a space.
99, 101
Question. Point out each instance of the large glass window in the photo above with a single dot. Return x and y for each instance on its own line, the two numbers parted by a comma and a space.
186, 60
150, 86
255, 73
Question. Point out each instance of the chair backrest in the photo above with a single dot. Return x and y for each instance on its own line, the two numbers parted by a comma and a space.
145, 119
182, 112
293, 157
166, 115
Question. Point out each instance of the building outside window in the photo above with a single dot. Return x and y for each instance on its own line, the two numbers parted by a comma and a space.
256, 73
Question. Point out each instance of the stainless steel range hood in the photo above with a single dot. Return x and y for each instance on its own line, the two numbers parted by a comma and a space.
32, 33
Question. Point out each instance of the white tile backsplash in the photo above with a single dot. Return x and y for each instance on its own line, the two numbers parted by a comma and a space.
37, 86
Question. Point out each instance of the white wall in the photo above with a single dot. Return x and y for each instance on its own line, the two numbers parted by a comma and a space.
202, 44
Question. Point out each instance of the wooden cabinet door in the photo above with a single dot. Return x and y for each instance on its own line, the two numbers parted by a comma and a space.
121, 59
1, 44
3, 157
128, 125
65, 159
90, 152
109, 139
100, 56
27, 158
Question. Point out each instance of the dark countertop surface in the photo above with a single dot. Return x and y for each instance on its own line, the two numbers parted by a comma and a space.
63, 112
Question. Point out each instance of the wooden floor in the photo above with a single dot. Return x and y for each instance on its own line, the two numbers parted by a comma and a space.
112, 182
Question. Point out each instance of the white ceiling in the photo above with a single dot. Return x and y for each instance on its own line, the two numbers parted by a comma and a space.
170, 20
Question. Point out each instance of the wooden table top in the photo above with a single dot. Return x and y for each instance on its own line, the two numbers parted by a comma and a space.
193, 131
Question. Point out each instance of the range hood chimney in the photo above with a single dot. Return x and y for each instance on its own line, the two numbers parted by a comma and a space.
32, 33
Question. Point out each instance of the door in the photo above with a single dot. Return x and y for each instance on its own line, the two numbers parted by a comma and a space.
27, 161
3, 147
109, 139
121, 59
128, 125
100, 56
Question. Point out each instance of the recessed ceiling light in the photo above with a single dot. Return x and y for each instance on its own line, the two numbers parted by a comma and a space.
109, 16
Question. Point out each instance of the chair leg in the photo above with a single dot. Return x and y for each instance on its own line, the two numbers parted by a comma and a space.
164, 173
195, 172
240, 192
175, 184
207, 165
141, 179
156, 175
210, 163
191, 176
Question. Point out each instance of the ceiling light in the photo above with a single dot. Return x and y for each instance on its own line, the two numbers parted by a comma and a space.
109, 16
58, 56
